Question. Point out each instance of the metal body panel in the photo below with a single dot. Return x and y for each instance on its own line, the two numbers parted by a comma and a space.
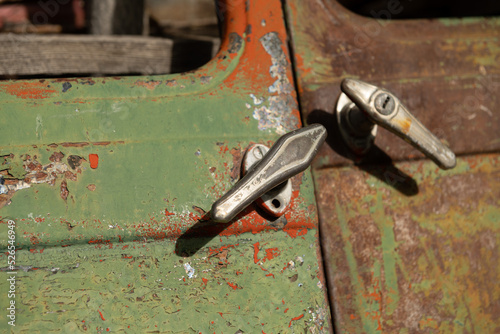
407, 248
115, 176
427, 263
445, 71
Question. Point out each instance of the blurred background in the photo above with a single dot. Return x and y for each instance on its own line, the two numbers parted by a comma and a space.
68, 38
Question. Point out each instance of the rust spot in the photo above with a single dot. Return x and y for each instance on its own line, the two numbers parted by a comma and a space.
37, 173
171, 83
28, 90
199, 210
405, 124
5, 173
80, 144
34, 240
64, 190
235, 171
91, 187
151, 84
69, 175
83, 144
34, 165
101, 143
56, 157
40, 175
5, 199
62, 80
235, 42
94, 160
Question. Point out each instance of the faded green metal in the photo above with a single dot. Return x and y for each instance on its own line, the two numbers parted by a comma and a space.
121, 244
425, 263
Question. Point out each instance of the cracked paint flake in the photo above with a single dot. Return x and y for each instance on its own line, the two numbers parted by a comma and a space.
189, 270
277, 113
36, 173
257, 100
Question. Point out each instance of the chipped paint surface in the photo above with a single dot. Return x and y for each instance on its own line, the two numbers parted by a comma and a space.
55, 170
126, 246
276, 114
99, 286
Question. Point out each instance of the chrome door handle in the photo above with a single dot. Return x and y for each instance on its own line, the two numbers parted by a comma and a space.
290, 155
363, 105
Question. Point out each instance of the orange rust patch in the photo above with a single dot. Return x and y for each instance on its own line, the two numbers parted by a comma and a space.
148, 84
301, 66
28, 90
405, 124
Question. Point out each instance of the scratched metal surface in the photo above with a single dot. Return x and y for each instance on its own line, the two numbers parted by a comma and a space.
424, 263
407, 248
109, 179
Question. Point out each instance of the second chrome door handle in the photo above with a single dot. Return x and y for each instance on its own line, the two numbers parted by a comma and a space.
290, 155
365, 105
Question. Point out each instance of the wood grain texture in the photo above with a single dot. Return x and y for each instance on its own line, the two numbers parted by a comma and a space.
62, 54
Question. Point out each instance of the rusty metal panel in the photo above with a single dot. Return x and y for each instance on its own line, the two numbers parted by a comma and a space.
424, 263
110, 181
407, 248
445, 71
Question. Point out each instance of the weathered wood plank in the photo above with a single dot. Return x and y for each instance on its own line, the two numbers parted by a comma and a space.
73, 54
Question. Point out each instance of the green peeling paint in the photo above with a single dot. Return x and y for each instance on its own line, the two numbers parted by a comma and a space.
107, 256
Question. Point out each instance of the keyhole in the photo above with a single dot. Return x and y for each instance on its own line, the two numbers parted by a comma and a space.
387, 99
384, 104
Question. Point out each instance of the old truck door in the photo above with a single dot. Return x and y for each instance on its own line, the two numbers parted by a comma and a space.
408, 248
104, 178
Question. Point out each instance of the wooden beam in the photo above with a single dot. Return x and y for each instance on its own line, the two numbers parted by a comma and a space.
83, 54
